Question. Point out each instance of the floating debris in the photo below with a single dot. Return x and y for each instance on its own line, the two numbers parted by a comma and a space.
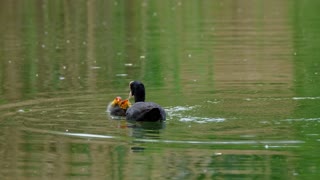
24, 110
128, 64
121, 75
213, 102
95, 67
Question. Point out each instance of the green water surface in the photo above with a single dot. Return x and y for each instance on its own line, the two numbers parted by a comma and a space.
239, 80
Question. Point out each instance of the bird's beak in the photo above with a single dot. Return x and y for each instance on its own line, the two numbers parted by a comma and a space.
130, 95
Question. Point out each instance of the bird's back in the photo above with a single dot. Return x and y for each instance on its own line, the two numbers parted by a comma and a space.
145, 111
115, 110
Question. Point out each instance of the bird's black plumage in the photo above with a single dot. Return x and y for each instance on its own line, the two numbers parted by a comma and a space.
117, 111
140, 110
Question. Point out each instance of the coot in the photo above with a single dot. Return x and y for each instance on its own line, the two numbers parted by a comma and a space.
140, 110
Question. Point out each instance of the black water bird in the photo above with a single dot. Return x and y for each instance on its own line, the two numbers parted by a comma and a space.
141, 110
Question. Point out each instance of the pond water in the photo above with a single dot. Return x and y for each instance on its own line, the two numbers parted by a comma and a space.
239, 80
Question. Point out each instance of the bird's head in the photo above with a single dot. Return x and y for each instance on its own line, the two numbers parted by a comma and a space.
116, 101
137, 91
125, 104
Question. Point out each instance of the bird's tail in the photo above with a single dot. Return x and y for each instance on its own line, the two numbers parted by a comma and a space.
153, 115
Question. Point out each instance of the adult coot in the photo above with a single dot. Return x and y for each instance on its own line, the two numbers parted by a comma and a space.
118, 107
140, 110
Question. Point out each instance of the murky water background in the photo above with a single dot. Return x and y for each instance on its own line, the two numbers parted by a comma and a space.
240, 81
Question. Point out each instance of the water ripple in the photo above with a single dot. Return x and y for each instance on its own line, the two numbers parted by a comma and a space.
177, 112
201, 119
266, 143
305, 98
246, 142
302, 119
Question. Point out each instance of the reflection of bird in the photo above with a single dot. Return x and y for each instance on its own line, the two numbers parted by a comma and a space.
118, 107
140, 110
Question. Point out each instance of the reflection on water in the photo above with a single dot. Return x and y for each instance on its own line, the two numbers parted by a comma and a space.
239, 82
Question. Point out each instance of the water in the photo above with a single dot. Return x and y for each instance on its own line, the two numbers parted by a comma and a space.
239, 82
